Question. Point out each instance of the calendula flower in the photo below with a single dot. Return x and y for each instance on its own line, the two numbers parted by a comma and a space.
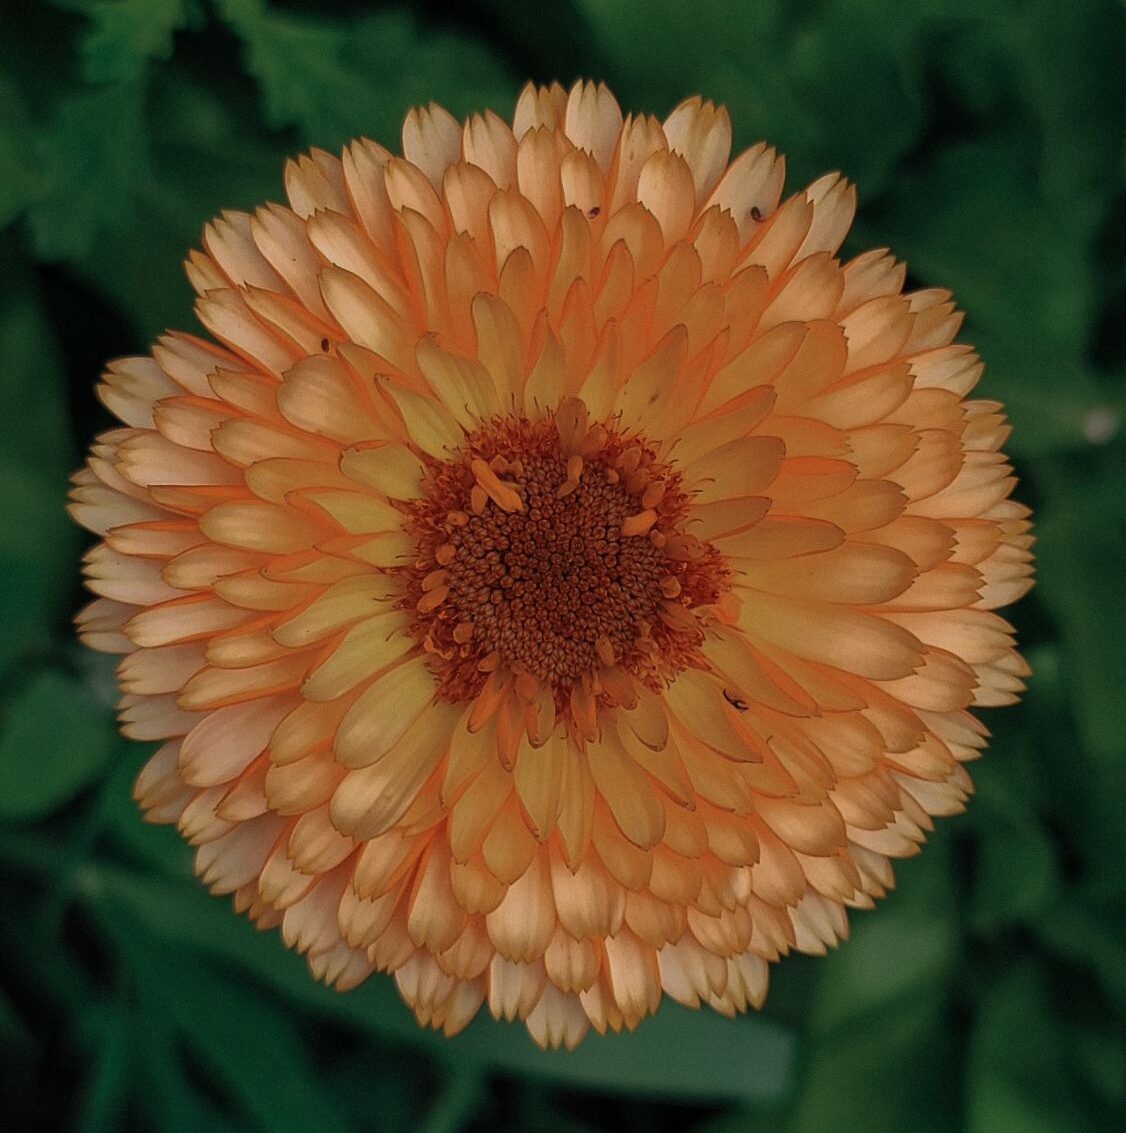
561, 582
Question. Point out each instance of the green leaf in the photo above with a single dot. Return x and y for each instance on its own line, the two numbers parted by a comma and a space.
891, 1071
667, 50
1088, 930
298, 62
95, 158
863, 128
173, 1100
1020, 1077
336, 80
782, 78
19, 178
245, 1040
899, 953
1016, 874
126, 34
880, 1051
392, 1093
971, 219
1081, 537
1082, 122
13, 1030
205, 157
34, 429
679, 1053
158, 849
54, 742
416, 63
38, 549
106, 1031
456, 1105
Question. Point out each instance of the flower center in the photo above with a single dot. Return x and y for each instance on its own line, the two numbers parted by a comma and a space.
554, 552
543, 585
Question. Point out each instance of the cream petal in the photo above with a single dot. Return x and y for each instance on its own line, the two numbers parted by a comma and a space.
256, 526
227, 316
751, 185
514, 988
702, 133
214, 687
225, 741
362, 166
130, 386
230, 243
369, 646
370, 801
522, 924
409, 190
126, 578
465, 386
697, 700
431, 140
236, 858
315, 181
390, 469
557, 1020
341, 242
834, 206
834, 635
430, 426
538, 159
588, 902
593, 121
539, 107
665, 187
627, 791
384, 712
183, 619
538, 777
100, 625
633, 974
856, 573
281, 238
487, 142
366, 317
348, 601
808, 292
498, 347
742, 467
435, 920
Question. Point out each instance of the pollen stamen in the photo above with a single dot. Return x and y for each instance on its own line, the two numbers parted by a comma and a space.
555, 580
639, 524
434, 578
498, 491
432, 599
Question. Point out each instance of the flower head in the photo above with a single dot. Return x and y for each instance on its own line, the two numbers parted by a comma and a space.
563, 582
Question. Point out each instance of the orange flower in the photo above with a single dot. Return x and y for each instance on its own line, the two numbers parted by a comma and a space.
567, 583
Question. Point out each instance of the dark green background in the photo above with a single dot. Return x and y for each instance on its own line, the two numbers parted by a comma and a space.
988, 142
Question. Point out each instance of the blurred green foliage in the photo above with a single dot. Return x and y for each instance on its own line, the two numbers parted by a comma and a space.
988, 140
